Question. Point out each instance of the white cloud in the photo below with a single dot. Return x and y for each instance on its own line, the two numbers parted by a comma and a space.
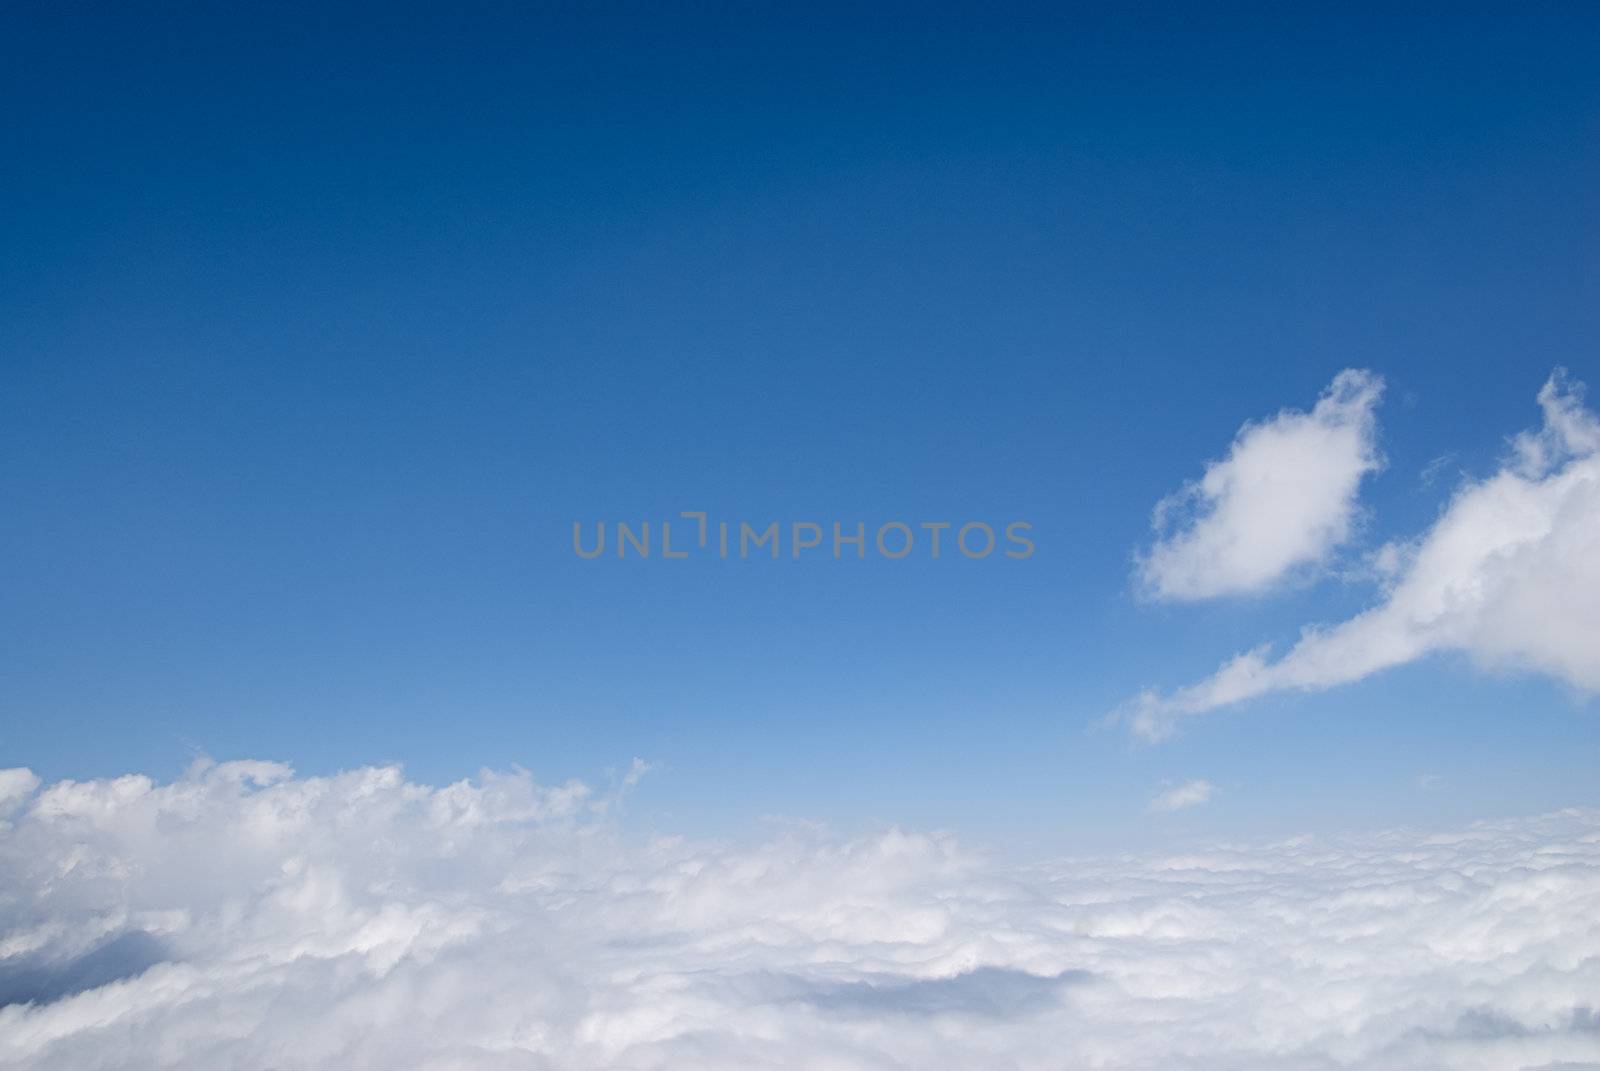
242, 917
1509, 573
1188, 794
1281, 501
16, 785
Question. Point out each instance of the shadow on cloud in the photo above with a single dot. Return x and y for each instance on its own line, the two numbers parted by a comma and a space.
38, 980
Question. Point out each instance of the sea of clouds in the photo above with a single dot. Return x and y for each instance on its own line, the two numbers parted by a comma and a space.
244, 917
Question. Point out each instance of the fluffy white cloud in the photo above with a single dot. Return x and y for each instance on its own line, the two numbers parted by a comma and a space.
1283, 498
1509, 573
1188, 794
16, 785
244, 918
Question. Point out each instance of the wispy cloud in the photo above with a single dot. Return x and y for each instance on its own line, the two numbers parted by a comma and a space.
1178, 797
1282, 500
1509, 573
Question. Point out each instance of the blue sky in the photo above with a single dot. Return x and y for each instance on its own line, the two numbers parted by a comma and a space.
320, 330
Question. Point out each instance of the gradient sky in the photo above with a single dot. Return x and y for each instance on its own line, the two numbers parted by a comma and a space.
319, 331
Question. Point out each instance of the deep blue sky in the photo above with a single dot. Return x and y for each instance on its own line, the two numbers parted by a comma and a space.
319, 330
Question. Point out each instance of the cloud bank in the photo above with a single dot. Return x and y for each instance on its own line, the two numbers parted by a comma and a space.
1509, 574
242, 917
1281, 501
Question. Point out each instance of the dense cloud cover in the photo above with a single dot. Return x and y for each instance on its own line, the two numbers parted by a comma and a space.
242, 917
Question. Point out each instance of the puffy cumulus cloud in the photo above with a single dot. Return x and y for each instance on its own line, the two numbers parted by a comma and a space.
1282, 500
242, 917
1179, 797
1509, 573
15, 786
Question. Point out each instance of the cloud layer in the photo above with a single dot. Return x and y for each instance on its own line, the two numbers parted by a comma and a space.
1281, 501
245, 918
1509, 574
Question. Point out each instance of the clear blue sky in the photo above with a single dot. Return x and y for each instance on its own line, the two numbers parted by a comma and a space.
319, 329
